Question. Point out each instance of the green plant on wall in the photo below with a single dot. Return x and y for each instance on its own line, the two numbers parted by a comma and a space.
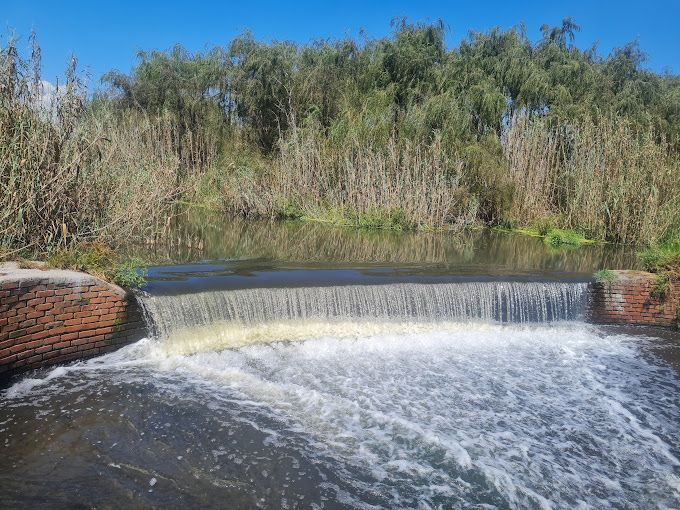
661, 286
101, 261
605, 276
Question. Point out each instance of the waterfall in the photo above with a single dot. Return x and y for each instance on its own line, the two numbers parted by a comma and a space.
488, 301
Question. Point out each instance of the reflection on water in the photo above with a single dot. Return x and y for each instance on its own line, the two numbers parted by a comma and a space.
211, 236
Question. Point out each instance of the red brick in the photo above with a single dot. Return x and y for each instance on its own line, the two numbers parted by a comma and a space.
9, 300
74, 297
34, 359
42, 334
27, 323
27, 346
17, 333
8, 359
76, 328
16, 319
80, 341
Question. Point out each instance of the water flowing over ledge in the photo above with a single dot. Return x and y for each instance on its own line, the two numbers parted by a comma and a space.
490, 301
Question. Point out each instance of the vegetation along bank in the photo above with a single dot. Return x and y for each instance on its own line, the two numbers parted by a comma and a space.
399, 132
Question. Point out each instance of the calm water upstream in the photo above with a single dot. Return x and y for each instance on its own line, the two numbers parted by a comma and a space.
293, 366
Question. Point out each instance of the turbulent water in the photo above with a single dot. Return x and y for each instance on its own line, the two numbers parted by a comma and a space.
392, 397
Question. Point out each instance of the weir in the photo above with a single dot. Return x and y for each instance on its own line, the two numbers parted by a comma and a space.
488, 301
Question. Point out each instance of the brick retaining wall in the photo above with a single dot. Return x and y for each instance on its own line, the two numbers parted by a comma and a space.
49, 317
630, 299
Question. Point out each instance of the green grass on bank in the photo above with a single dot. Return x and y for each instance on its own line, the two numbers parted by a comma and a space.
663, 257
101, 261
606, 276
558, 237
553, 237
664, 261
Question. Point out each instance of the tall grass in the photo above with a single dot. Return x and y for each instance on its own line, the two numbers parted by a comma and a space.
366, 135
608, 180
402, 185
70, 172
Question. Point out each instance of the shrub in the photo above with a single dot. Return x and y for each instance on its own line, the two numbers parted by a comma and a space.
101, 261
663, 257
605, 276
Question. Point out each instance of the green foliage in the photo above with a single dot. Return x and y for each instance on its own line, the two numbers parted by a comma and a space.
663, 257
664, 260
290, 211
545, 224
661, 286
394, 219
605, 276
102, 262
558, 237
500, 130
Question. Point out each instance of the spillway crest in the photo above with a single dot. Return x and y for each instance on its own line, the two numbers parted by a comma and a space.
488, 301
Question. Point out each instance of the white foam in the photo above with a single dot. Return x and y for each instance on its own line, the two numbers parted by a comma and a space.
436, 413
541, 412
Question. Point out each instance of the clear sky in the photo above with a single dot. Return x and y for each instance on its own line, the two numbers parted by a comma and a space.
106, 35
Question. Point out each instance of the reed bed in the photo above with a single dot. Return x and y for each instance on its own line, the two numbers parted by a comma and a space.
397, 133
402, 185
608, 180
71, 173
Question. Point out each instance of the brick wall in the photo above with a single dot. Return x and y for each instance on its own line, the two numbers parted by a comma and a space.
630, 299
49, 317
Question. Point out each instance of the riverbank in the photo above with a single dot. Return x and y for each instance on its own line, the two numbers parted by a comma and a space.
334, 132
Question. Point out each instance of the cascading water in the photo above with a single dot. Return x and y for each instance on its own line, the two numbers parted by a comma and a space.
490, 301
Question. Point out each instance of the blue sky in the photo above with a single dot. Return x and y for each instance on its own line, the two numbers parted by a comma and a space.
106, 35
